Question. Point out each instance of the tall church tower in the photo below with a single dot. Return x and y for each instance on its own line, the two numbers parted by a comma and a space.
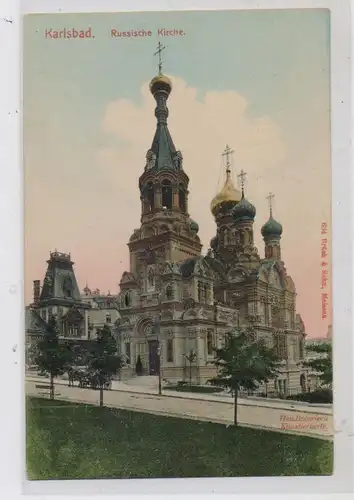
167, 233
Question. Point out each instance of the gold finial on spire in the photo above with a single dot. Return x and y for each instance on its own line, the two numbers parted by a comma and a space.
158, 52
242, 176
160, 82
270, 198
228, 193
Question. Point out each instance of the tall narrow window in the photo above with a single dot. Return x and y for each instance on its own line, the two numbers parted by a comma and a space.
182, 199
127, 353
209, 343
151, 279
127, 299
108, 318
301, 348
169, 292
170, 351
166, 195
201, 292
303, 382
150, 195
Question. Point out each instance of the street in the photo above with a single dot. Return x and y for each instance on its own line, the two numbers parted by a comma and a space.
316, 422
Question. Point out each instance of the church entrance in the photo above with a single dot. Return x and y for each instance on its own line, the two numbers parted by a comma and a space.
153, 358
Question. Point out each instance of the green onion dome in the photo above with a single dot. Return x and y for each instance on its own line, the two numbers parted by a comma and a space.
244, 210
271, 228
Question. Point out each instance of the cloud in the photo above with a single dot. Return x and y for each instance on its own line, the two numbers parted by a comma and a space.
200, 128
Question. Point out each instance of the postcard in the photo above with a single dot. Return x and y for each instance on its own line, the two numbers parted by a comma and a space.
178, 244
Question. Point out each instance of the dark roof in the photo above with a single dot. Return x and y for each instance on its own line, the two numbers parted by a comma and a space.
163, 148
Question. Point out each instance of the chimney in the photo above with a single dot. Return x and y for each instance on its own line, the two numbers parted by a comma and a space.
36, 291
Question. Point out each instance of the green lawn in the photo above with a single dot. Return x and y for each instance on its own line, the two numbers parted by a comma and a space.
72, 441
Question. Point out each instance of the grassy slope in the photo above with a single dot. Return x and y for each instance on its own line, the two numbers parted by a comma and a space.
67, 441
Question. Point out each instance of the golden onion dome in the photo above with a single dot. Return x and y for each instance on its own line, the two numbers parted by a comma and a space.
228, 194
160, 82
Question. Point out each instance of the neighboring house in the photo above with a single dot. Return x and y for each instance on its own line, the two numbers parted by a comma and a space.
79, 315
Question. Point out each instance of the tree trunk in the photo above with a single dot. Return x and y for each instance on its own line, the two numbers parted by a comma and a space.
190, 374
51, 386
101, 395
235, 406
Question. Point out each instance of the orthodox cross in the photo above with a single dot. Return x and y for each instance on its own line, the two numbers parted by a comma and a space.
270, 198
227, 153
242, 176
160, 48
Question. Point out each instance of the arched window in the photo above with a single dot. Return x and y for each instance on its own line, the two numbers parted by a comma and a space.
169, 292
209, 343
181, 198
150, 196
166, 194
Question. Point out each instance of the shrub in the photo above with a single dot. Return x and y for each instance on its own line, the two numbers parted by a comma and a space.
318, 396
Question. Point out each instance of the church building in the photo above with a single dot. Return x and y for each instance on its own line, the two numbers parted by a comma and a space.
175, 303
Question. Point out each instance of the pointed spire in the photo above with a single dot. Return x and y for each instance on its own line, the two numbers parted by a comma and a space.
162, 153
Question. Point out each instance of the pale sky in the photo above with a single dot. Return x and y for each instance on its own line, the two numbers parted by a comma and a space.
258, 81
